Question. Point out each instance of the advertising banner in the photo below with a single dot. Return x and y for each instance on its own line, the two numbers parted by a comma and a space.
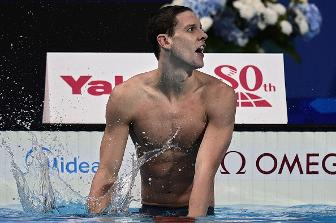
78, 84
268, 168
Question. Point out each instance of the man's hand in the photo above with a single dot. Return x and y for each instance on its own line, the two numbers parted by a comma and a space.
101, 193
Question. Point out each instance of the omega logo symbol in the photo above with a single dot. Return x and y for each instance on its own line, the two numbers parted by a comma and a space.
250, 78
242, 166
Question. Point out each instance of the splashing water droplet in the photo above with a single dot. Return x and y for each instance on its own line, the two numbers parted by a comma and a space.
42, 190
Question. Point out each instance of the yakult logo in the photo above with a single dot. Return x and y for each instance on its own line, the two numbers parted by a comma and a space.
250, 80
94, 87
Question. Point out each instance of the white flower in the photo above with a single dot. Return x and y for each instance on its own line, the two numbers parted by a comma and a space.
261, 25
258, 5
242, 41
301, 21
247, 12
248, 8
286, 27
206, 23
303, 26
270, 16
177, 2
238, 4
277, 7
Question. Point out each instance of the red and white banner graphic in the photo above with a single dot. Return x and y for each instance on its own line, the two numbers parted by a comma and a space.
78, 84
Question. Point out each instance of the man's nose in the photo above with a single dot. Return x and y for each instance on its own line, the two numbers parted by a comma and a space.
203, 35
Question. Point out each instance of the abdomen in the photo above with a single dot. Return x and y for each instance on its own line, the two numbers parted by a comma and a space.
167, 179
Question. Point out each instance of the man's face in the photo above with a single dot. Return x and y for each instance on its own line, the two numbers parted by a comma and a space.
188, 41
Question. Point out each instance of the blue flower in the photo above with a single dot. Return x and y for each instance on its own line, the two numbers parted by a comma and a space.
226, 28
205, 8
313, 18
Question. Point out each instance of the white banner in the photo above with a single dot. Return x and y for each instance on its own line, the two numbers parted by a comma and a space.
279, 168
78, 84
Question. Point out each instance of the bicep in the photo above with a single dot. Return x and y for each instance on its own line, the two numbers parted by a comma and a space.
217, 137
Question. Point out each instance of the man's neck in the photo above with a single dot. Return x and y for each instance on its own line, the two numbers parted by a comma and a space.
174, 80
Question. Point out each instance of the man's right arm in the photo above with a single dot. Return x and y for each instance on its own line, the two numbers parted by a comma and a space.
112, 150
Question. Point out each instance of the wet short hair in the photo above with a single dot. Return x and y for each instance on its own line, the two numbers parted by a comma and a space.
163, 22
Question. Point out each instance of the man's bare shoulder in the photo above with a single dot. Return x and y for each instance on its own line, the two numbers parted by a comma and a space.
125, 97
133, 87
219, 98
213, 87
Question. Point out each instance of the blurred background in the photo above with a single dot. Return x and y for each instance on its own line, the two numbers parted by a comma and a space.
30, 29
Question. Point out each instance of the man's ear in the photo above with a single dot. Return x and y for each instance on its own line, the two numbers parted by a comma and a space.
164, 41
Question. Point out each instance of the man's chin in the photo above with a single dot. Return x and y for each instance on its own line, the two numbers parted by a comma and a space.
198, 66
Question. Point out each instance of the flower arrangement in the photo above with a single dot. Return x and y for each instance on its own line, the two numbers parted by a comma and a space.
255, 25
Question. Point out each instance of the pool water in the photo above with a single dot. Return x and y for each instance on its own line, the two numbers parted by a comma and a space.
232, 213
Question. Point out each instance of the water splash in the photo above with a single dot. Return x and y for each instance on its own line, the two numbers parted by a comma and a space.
36, 195
41, 189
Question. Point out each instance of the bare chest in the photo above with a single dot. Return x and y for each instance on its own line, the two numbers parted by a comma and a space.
158, 122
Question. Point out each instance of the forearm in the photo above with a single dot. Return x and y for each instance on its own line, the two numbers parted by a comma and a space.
100, 193
200, 197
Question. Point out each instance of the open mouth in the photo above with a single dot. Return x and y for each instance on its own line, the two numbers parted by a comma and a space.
200, 50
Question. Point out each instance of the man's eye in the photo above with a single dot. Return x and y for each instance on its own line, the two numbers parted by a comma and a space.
190, 29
